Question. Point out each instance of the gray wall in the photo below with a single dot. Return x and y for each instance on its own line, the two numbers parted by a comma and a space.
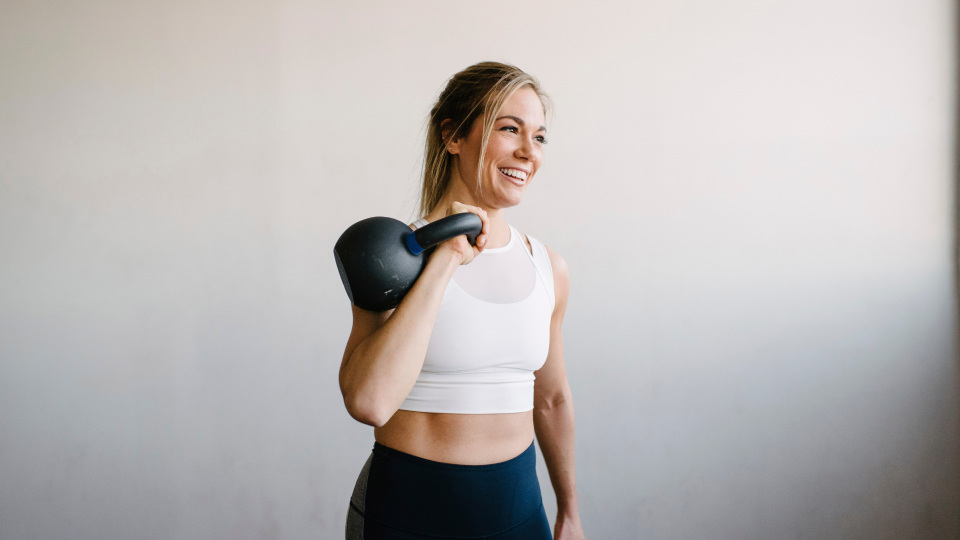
754, 198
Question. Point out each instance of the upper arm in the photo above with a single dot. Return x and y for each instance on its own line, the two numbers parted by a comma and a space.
551, 378
561, 285
365, 323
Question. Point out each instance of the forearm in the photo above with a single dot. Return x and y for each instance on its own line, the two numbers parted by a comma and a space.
553, 421
380, 371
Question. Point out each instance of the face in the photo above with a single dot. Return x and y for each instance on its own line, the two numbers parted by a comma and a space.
514, 151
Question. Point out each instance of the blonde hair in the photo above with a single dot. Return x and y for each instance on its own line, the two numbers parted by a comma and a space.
476, 92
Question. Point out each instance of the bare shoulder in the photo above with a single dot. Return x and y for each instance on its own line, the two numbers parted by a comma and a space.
560, 270
561, 275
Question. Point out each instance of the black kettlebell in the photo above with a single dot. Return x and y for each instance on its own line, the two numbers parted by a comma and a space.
380, 258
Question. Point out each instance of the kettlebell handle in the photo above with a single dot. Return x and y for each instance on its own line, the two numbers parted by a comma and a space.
444, 229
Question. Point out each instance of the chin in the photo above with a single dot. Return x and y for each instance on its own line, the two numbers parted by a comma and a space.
507, 200
507, 195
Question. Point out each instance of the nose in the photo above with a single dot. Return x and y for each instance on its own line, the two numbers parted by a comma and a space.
527, 150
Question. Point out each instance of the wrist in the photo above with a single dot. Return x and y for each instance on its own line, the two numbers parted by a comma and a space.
568, 511
447, 256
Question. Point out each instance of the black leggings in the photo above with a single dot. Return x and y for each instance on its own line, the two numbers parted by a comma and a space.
404, 497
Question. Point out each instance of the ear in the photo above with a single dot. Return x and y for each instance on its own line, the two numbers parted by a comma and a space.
452, 144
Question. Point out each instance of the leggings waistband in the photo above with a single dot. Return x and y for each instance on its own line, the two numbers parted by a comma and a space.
528, 455
414, 494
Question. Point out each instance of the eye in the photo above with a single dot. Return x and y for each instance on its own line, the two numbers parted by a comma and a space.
511, 129
541, 139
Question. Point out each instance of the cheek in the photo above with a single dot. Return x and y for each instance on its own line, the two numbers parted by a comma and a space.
499, 148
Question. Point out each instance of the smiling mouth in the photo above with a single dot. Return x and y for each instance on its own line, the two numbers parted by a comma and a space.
516, 175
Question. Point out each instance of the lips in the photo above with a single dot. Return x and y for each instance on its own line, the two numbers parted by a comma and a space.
517, 176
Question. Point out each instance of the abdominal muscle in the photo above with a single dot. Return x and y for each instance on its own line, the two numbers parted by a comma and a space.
464, 439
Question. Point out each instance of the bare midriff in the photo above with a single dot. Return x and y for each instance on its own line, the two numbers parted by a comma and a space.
465, 439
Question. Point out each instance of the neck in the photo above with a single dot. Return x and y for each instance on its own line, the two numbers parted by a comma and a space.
457, 191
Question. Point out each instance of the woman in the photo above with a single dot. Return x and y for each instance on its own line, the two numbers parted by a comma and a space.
460, 376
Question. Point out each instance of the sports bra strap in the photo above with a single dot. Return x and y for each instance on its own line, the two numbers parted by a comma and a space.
541, 260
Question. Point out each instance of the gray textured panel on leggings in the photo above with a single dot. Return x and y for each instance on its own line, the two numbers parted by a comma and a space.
359, 499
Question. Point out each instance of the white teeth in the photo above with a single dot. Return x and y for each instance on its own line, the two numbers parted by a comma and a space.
514, 173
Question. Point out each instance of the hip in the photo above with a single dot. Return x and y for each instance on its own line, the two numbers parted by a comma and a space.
401, 496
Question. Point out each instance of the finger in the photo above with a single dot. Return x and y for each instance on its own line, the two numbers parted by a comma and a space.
484, 226
482, 214
459, 208
485, 229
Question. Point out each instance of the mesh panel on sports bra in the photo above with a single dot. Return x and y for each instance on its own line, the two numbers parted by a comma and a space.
501, 275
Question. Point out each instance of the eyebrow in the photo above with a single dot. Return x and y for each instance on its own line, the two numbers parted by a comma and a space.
519, 121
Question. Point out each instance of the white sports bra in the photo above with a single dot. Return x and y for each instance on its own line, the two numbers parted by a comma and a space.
486, 343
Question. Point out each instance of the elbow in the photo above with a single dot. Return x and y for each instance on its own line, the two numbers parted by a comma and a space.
366, 402
369, 416
545, 402
367, 411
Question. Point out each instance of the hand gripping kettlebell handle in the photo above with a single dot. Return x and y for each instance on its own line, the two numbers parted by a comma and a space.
444, 229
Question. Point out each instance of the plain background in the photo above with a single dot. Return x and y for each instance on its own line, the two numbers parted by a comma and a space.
755, 199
